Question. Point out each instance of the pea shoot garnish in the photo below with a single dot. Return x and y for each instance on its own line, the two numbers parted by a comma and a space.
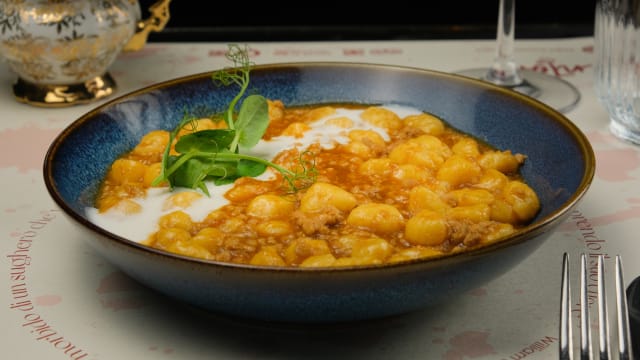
214, 154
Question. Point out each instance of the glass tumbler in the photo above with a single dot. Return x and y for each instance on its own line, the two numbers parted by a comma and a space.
617, 65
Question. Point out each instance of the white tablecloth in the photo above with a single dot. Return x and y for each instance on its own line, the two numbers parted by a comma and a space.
63, 301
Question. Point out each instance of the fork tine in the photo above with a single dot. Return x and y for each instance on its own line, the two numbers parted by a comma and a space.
585, 323
603, 315
623, 329
566, 336
624, 334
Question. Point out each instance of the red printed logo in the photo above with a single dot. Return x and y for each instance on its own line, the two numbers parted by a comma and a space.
548, 66
386, 51
353, 52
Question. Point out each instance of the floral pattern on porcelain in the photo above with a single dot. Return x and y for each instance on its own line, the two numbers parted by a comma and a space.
65, 41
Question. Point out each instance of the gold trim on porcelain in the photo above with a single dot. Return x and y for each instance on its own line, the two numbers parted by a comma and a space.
64, 95
58, 60
159, 15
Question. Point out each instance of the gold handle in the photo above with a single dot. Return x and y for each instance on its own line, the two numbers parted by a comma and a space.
158, 19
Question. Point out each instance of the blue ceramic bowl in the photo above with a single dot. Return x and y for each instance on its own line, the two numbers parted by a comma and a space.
560, 168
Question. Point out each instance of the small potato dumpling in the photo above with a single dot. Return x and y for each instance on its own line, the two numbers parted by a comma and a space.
466, 147
378, 218
126, 171
423, 198
459, 170
410, 175
425, 150
492, 180
214, 218
441, 187
355, 261
377, 250
165, 238
503, 161
502, 211
320, 194
274, 228
270, 206
127, 207
296, 129
151, 146
340, 121
426, 122
325, 260
343, 245
474, 213
370, 138
318, 113
233, 225
428, 228
358, 149
267, 256
209, 238
151, 173
468, 196
414, 253
182, 199
246, 188
523, 200
376, 167
498, 231
107, 202
188, 248
276, 109
176, 219
381, 117
365, 144
303, 248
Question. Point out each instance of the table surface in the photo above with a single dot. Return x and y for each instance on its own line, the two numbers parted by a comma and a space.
60, 300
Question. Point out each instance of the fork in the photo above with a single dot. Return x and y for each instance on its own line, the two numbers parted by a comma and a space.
605, 339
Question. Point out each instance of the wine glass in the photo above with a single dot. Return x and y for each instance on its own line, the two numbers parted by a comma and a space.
551, 90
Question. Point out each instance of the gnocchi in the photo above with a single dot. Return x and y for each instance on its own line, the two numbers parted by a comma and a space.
392, 188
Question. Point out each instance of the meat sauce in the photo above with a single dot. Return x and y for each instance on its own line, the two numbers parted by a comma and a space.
390, 184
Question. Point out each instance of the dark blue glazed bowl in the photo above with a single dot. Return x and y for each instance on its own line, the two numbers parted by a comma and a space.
560, 168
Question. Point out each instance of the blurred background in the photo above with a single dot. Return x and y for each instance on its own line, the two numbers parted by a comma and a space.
396, 20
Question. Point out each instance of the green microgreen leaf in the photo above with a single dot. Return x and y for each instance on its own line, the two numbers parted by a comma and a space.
213, 155
251, 168
167, 159
206, 140
252, 121
191, 174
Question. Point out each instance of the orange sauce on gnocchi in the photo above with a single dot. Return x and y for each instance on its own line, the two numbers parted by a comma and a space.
404, 186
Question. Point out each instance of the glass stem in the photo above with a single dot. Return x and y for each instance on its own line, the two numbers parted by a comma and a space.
504, 70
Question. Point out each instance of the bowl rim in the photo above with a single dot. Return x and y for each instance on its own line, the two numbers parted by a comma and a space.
541, 226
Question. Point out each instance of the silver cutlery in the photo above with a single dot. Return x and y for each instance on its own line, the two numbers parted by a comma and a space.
606, 338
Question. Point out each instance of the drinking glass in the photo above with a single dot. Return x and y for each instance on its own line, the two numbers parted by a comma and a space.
616, 65
551, 90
